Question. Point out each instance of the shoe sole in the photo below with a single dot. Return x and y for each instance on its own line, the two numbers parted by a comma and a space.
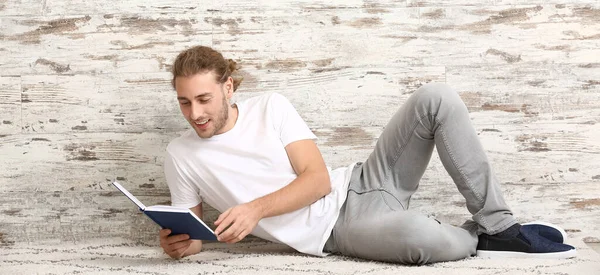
562, 231
511, 254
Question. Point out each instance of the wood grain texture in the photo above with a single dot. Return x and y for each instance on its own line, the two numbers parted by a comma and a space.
542, 93
75, 7
413, 36
10, 105
21, 7
85, 97
115, 103
88, 160
94, 44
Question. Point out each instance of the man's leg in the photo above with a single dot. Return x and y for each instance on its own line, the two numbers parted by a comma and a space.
435, 115
374, 222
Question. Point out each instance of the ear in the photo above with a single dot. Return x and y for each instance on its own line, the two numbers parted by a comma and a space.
229, 87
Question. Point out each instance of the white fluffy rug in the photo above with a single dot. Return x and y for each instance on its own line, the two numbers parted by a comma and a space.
125, 257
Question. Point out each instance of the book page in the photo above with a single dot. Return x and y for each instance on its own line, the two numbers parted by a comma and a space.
167, 208
129, 195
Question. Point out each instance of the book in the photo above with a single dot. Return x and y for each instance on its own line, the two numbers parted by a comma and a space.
179, 220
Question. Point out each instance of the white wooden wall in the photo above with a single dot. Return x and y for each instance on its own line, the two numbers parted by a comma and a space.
85, 97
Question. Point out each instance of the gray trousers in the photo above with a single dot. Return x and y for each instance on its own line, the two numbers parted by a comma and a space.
375, 222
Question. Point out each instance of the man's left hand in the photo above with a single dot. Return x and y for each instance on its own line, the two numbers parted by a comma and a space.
237, 222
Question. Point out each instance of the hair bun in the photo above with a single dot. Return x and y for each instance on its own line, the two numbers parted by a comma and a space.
231, 65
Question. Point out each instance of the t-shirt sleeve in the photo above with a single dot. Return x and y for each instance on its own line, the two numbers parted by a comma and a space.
287, 122
183, 192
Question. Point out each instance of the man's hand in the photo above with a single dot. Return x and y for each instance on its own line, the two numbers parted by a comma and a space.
237, 222
175, 245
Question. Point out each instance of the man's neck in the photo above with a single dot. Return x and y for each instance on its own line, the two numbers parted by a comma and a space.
233, 116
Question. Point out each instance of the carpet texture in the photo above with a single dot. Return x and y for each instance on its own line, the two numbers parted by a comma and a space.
125, 257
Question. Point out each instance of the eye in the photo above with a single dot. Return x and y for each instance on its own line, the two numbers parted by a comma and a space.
185, 103
203, 101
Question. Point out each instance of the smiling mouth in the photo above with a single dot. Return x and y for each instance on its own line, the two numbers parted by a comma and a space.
201, 122
202, 125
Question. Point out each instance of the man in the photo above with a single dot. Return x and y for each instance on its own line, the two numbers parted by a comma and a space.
256, 162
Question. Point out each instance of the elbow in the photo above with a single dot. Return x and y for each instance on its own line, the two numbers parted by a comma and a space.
325, 184
194, 248
327, 190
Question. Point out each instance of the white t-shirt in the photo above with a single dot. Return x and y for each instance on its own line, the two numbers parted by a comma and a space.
249, 161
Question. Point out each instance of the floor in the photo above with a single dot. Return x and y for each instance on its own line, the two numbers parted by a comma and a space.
119, 256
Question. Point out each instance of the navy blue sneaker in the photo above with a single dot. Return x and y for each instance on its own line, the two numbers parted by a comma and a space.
548, 231
528, 244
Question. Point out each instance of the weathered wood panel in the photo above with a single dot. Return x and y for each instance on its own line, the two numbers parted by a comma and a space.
541, 93
74, 216
460, 36
84, 91
108, 102
546, 33
559, 3
78, 162
96, 43
20, 7
383, 90
407, 36
77, 7
374, 6
85, 161
60, 104
56, 104
10, 105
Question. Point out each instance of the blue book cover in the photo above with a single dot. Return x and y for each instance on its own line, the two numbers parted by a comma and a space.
179, 220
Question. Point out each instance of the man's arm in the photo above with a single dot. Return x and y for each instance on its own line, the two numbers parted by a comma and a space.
180, 245
311, 184
196, 245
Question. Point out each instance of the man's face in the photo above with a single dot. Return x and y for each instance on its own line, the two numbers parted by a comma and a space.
204, 103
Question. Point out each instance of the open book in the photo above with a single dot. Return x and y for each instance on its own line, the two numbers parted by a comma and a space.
179, 220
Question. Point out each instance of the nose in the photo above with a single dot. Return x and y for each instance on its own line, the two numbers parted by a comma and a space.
196, 111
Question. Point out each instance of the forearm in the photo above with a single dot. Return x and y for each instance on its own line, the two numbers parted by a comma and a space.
307, 188
194, 248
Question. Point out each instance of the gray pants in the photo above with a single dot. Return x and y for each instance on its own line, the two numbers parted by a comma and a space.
375, 222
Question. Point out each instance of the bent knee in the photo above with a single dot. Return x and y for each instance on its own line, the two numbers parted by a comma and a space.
421, 250
437, 94
435, 90
425, 240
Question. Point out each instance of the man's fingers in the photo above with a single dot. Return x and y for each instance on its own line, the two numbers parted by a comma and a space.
178, 252
164, 232
177, 238
226, 234
222, 216
233, 231
227, 222
180, 245
238, 238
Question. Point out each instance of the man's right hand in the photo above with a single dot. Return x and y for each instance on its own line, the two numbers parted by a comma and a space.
175, 246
